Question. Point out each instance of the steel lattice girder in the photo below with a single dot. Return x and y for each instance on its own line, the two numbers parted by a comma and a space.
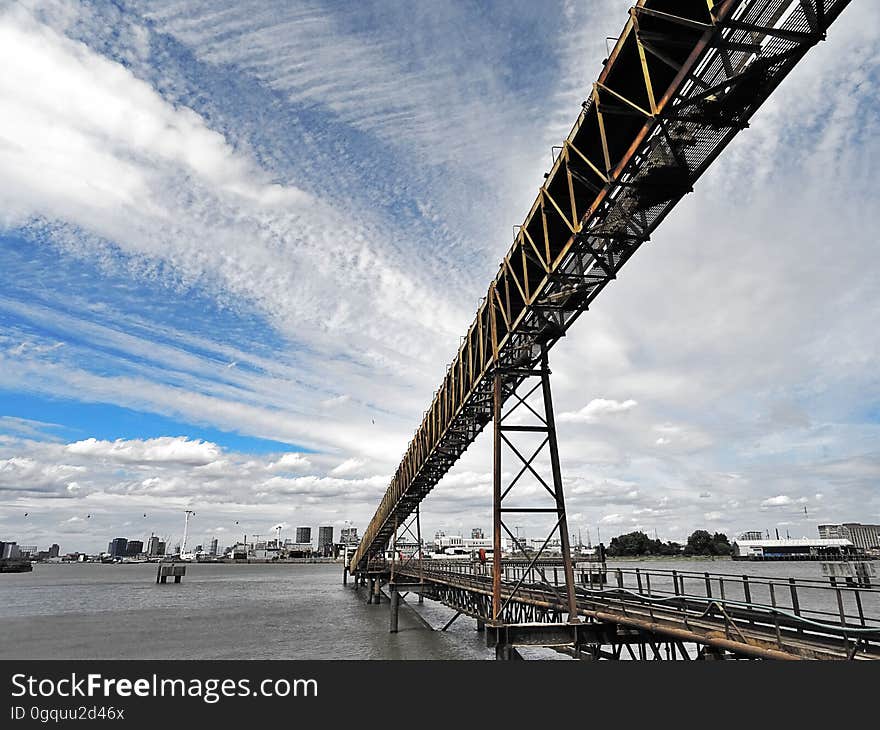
683, 79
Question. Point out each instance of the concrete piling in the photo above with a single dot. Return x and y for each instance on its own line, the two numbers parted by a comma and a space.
395, 609
377, 595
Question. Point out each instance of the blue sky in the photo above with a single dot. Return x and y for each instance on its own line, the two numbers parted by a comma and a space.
239, 243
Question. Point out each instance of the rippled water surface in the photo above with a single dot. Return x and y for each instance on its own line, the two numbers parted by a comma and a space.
226, 611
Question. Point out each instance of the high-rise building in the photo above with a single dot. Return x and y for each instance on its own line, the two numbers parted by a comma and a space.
477, 534
55, 550
303, 535
134, 548
349, 535
117, 547
153, 547
864, 537
325, 541
160, 548
213, 549
10, 550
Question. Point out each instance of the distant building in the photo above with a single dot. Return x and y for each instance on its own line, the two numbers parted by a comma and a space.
349, 535
160, 550
213, 549
456, 544
864, 537
153, 547
304, 535
755, 535
444, 542
55, 550
265, 551
134, 548
793, 549
27, 551
325, 540
477, 534
117, 547
298, 549
9, 550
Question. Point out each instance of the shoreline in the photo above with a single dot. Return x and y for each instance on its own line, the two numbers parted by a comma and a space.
666, 558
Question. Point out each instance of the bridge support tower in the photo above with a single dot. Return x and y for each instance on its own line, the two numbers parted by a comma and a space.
529, 440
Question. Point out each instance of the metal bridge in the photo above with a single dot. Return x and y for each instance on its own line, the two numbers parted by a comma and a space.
683, 79
644, 613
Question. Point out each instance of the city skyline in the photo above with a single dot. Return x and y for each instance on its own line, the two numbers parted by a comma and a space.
862, 535
143, 372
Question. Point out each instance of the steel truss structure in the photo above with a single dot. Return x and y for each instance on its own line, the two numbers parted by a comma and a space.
684, 77
687, 614
533, 423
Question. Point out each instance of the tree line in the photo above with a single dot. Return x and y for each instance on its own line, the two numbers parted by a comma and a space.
638, 543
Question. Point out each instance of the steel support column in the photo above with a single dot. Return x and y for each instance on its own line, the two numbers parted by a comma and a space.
564, 538
535, 422
496, 497
419, 541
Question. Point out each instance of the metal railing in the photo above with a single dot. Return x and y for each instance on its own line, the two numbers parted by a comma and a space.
832, 617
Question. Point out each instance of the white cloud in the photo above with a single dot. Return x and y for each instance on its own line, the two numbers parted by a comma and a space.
778, 501
349, 466
179, 450
22, 473
596, 409
290, 462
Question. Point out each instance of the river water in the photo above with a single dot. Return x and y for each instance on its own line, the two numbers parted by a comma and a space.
235, 611
219, 611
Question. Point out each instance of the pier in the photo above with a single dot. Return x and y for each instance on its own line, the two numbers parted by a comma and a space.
649, 613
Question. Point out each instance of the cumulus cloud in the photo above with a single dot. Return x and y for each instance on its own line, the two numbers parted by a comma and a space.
179, 450
290, 462
30, 475
349, 466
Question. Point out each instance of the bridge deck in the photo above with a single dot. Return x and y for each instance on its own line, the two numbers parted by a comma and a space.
747, 616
